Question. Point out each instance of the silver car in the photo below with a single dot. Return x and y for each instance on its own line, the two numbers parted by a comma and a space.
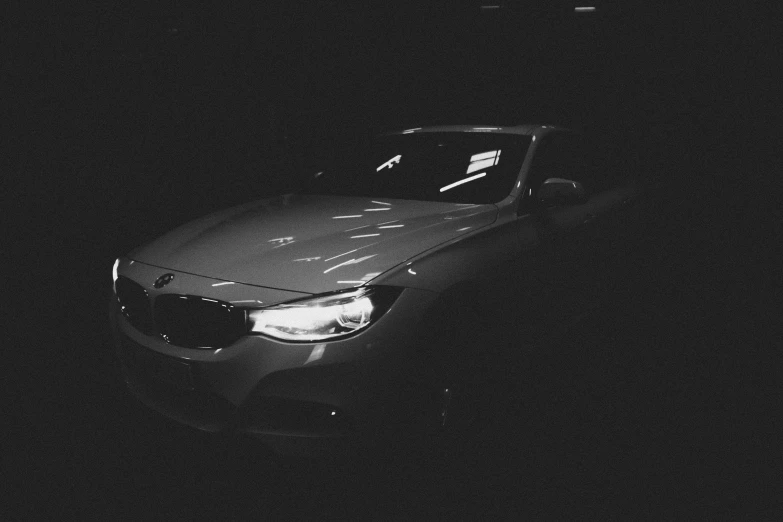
365, 299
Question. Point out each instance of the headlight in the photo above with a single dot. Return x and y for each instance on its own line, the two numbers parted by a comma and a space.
327, 316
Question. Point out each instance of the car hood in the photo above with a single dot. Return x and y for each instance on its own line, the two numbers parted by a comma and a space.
310, 243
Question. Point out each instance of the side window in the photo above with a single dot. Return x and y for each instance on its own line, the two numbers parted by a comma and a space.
559, 155
562, 156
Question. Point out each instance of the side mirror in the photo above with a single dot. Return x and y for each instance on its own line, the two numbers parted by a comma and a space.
559, 191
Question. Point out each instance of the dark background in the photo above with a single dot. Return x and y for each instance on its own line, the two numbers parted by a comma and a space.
123, 122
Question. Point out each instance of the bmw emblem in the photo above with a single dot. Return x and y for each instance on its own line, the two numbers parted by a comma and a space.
163, 280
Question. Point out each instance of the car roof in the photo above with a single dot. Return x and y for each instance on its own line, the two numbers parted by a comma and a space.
526, 129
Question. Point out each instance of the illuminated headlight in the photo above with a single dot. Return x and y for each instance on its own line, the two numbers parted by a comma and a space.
327, 316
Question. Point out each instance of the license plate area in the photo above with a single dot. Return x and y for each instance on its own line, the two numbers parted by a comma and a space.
148, 364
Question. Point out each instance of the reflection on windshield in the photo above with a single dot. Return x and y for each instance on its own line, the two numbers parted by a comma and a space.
426, 166
483, 160
460, 182
390, 163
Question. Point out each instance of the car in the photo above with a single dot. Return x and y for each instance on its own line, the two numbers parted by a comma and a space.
366, 300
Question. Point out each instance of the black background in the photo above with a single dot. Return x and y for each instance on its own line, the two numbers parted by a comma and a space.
121, 122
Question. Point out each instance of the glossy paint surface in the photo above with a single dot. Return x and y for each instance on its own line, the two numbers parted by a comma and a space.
311, 244
288, 247
252, 366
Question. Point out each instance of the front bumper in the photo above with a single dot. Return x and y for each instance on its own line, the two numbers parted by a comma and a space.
273, 389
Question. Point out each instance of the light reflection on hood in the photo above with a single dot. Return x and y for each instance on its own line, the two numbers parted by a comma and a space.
296, 242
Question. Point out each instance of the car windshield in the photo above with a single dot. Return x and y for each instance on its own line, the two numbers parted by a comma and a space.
454, 167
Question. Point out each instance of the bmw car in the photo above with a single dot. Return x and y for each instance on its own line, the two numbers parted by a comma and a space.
368, 297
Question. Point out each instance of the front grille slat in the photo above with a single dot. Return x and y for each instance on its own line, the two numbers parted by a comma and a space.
197, 322
182, 320
135, 304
